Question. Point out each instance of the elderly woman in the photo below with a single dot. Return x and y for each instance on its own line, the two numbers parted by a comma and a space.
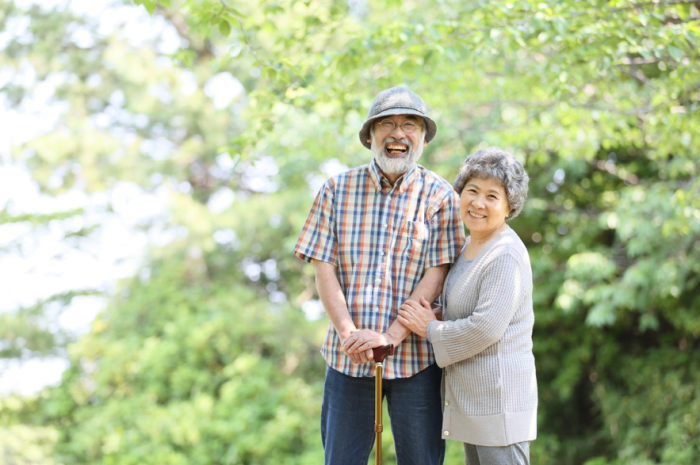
484, 342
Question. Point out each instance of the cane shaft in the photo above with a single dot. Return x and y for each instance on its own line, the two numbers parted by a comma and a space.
378, 427
380, 353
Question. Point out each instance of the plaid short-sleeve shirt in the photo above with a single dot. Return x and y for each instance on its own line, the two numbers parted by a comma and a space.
382, 238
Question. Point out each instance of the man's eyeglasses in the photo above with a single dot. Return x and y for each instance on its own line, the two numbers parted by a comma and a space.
408, 127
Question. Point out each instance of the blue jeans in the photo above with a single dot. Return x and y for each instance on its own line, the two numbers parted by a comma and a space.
414, 404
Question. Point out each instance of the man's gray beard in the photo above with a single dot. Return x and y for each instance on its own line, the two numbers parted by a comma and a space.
401, 165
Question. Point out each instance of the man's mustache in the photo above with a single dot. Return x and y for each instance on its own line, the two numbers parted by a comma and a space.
390, 140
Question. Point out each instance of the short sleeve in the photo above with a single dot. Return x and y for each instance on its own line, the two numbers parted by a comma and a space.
446, 232
318, 239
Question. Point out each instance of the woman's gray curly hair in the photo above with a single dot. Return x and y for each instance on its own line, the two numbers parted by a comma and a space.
500, 166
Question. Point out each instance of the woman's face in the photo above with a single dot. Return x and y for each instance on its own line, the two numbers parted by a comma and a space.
483, 206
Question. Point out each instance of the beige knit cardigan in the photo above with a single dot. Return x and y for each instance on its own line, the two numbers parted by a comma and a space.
485, 346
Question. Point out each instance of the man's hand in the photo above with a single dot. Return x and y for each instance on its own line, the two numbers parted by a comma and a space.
358, 346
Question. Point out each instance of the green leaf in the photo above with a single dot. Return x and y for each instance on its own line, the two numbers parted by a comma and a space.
648, 321
684, 11
235, 12
224, 27
165, 3
644, 19
675, 52
602, 314
150, 6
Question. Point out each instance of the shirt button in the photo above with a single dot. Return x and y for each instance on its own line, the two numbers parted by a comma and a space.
381, 253
378, 281
446, 433
385, 225
447, 402
376, 309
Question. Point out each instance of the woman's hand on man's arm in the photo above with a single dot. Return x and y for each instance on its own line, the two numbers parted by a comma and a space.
416, 316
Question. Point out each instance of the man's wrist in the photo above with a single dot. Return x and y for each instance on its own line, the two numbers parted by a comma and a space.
346, 332
394, 338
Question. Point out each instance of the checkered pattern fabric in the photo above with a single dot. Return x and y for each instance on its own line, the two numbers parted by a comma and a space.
382, 238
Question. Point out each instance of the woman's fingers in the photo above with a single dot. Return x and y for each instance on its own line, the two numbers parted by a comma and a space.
410, 311
406, 319
414, 308
405, 313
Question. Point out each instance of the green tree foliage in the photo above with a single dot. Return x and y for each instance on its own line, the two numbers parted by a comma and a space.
190, 366
206, 357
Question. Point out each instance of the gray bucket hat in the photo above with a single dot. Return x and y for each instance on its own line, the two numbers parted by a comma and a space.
397, 101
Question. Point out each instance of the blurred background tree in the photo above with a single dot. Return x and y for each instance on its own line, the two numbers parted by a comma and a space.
221, 121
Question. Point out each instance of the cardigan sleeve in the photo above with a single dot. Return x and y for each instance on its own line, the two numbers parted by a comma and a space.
501, 289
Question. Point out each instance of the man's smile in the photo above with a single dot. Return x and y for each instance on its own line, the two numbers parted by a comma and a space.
396, 149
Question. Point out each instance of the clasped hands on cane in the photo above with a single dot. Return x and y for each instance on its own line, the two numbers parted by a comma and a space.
359, 344
412, 316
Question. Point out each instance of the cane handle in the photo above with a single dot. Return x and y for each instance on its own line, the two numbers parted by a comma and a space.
380, 353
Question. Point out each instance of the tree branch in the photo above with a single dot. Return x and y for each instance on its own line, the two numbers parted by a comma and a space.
639, 77
180, 25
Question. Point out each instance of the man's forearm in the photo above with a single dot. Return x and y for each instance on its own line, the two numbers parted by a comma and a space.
333, 298
429, 287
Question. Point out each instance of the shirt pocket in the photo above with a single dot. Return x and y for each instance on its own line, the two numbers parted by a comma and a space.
413, 236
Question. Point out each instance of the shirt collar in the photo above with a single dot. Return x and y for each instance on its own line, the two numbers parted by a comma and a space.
378, 177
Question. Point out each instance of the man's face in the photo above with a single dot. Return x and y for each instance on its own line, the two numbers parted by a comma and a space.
394, 150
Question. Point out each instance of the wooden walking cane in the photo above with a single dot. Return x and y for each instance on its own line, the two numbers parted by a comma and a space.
380, 353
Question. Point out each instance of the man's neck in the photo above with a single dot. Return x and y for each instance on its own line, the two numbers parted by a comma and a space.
392, 178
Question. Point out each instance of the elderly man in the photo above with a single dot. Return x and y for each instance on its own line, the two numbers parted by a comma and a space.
378, 235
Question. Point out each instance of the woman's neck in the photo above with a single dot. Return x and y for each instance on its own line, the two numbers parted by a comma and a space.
478, 242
